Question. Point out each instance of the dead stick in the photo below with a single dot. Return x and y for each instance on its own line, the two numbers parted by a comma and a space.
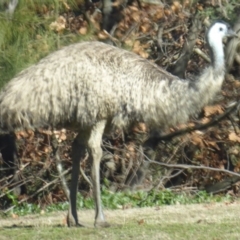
41, 189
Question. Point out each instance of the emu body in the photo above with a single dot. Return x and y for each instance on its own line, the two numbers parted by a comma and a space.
85, 83
91, 87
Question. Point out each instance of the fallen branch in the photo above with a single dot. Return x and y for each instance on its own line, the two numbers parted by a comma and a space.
39, 190
55, 147
214, 121
222, 186
202, 54
83, 173
186, 166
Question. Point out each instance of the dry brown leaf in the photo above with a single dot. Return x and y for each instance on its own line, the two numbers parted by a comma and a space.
186, 3
145, 27
136, 16
141, 222
200, 7
102, 35
129, 42
133, 8
59, 25
236, 84
14, 216
197, 140
199, 42
205, 120
64, 221
24, 134
63, 137
142, 127
221, 166
210, 110
57, 135
167, 12
176, 7
45, 132
83, 30
143, 54
46, 149
233, 137
136, 45
138, 48
131, 147
212, 144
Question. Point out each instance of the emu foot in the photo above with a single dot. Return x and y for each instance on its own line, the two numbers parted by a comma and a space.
71, 221
101, 224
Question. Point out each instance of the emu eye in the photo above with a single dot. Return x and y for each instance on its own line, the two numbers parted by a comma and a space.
220, 29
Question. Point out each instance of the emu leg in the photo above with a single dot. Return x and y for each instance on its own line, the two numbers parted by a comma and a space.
78, 153
95, 154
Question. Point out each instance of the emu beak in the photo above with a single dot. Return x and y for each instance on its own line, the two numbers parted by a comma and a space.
231, 33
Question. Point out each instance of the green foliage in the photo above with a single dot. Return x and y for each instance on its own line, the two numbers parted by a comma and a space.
225, 10
116, 200
27, 37
12, 197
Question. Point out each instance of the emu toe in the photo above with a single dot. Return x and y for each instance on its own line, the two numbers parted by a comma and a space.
71, 222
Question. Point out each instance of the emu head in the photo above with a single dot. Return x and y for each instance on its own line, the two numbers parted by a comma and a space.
215, 35
217, 31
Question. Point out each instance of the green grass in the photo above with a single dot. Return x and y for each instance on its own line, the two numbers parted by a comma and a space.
129, 231
27, 37
211, 221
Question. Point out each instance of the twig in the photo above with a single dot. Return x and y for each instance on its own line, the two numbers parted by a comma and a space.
129, 31
136, 167
172, 28
182, 187
83, 173
201, 54
185, 166
199, 126
168, 177
55, 148
113, 39
19, 184
41, 189
159, 37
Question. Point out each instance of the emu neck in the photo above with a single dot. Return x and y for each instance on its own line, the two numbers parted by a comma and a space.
178, 99
217, 57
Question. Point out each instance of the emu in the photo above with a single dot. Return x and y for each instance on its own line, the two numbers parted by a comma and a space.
92, 87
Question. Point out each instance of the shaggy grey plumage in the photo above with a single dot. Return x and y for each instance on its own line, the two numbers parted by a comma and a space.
91, 85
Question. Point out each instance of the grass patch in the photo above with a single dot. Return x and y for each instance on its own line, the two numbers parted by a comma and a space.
121, 200
27, 37
198, 221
